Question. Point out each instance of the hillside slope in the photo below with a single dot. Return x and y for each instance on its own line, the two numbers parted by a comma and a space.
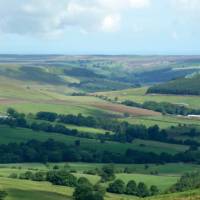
185, 86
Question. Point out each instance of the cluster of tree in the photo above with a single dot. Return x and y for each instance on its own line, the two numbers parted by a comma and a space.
86, 191
140, 189
164, 107
185, 86
52, 151
188, 181
124, 132
107, 173
29, 175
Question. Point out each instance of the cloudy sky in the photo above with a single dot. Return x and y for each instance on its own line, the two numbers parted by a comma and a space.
100, 26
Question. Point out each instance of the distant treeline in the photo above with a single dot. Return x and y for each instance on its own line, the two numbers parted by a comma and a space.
184, 86
53, 151
164, 107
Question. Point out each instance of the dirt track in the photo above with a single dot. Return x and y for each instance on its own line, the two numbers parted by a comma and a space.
125, 109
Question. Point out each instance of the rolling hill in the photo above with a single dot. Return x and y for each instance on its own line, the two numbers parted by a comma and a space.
184, 86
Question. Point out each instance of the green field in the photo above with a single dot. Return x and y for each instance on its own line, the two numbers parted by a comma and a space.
164, 121
20, 135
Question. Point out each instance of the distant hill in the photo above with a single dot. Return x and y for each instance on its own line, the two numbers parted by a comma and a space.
97, 73
184, 86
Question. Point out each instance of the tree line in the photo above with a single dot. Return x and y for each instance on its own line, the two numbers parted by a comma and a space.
53, 151
122, 131
164, 107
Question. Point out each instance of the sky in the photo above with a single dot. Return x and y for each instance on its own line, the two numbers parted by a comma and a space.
100, 27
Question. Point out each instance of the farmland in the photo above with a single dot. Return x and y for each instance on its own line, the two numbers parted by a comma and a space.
75, 88
139, 95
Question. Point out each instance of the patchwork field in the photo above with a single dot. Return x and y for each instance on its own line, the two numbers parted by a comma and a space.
139, 95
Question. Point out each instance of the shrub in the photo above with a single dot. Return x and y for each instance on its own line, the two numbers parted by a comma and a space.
87, 192
117, 187
142, 190
61, 177
131, 188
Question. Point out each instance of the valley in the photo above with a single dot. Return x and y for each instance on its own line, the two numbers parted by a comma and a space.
76, 115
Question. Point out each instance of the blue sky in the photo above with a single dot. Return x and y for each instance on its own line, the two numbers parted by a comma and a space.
100, 26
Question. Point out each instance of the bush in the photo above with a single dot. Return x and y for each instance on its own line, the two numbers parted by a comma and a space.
83, 181
61, 177
107, 173
131, 188
117, 187
154, 190
39, 176
27, 175
142, 190
87, 192
3, 194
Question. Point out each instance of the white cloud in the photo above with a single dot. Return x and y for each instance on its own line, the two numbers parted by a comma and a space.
37, 17
111, 23
139, 3
186, 4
